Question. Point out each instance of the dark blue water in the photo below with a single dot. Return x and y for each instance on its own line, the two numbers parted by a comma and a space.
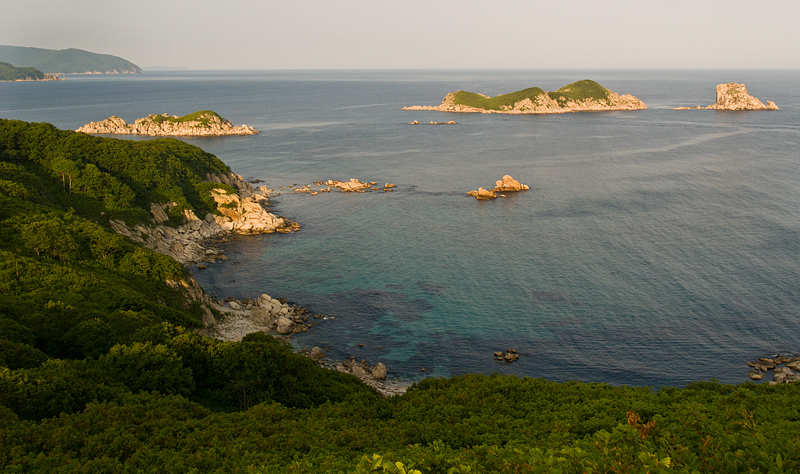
656, 247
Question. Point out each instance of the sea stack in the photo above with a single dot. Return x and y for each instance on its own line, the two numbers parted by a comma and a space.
734, 96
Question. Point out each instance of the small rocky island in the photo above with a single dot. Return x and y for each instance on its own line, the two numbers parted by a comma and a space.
733, 96
204, 123
505, 185
581, 96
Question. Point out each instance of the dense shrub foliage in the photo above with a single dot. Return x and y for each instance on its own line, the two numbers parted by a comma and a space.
101, 372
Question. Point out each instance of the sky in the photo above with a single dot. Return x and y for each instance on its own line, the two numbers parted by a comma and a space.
416, 34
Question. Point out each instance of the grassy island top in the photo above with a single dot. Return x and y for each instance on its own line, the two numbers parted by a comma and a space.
202, 116
577, 91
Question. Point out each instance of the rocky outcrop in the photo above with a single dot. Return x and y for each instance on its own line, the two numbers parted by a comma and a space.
506, 357
244, 214
201, 124
509, 184
733, 96
504, 185
239, 318
482, 194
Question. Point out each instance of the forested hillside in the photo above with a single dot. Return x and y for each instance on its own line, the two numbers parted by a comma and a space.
66, 61
100, 370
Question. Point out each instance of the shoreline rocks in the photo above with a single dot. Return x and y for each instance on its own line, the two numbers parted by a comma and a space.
242, 214
505, 185
733, 96
200, 124
780, 373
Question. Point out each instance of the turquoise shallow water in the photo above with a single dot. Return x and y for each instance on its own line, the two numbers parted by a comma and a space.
656, 247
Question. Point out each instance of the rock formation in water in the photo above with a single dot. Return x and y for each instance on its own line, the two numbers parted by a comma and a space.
504, 185
733, 96
199, 124
581, 96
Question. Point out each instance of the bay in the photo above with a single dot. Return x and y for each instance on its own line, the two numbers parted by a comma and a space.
655, 247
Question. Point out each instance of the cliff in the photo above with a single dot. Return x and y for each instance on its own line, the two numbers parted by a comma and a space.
199, 124
243, 213
67, 61
733, 96
581, 96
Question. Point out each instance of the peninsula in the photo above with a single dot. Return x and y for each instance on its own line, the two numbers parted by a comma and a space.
581, 96
733, 96
204, 123
11, 73
67, 61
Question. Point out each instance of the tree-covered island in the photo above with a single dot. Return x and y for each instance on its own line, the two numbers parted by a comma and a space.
580, 96
101, 369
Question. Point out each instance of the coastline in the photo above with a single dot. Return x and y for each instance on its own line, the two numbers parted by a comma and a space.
193, 244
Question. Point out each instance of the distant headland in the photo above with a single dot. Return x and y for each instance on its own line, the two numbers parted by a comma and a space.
67, 61
733, 96
203, 123
11, 73
581, 96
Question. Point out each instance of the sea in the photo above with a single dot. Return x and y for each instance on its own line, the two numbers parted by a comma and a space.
655, 247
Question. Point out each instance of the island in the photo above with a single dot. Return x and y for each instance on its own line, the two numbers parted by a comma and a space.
733, 96
67, 61
203, 123
580, 96
506, 184
11, 73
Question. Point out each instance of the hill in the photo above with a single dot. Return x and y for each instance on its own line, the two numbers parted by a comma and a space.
9, 72
580, 96
67, 61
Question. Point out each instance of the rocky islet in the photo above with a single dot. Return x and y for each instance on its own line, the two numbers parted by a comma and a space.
506, 184
733, 96
200, 124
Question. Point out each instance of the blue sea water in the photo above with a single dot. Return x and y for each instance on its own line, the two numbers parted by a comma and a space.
656, 247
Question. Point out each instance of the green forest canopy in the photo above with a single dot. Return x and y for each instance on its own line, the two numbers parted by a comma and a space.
9, 72
100, 370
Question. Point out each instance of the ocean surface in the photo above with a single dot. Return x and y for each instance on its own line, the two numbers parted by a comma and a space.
655, 248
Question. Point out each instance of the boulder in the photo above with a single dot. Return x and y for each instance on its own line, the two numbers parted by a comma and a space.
756, 374
379, 372
285, 325
316, 353
359, 372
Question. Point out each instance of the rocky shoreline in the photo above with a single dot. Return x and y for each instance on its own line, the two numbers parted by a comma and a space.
780, 374
231, 319
200, 124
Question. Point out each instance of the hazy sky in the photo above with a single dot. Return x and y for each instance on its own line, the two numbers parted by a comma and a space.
379, 34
